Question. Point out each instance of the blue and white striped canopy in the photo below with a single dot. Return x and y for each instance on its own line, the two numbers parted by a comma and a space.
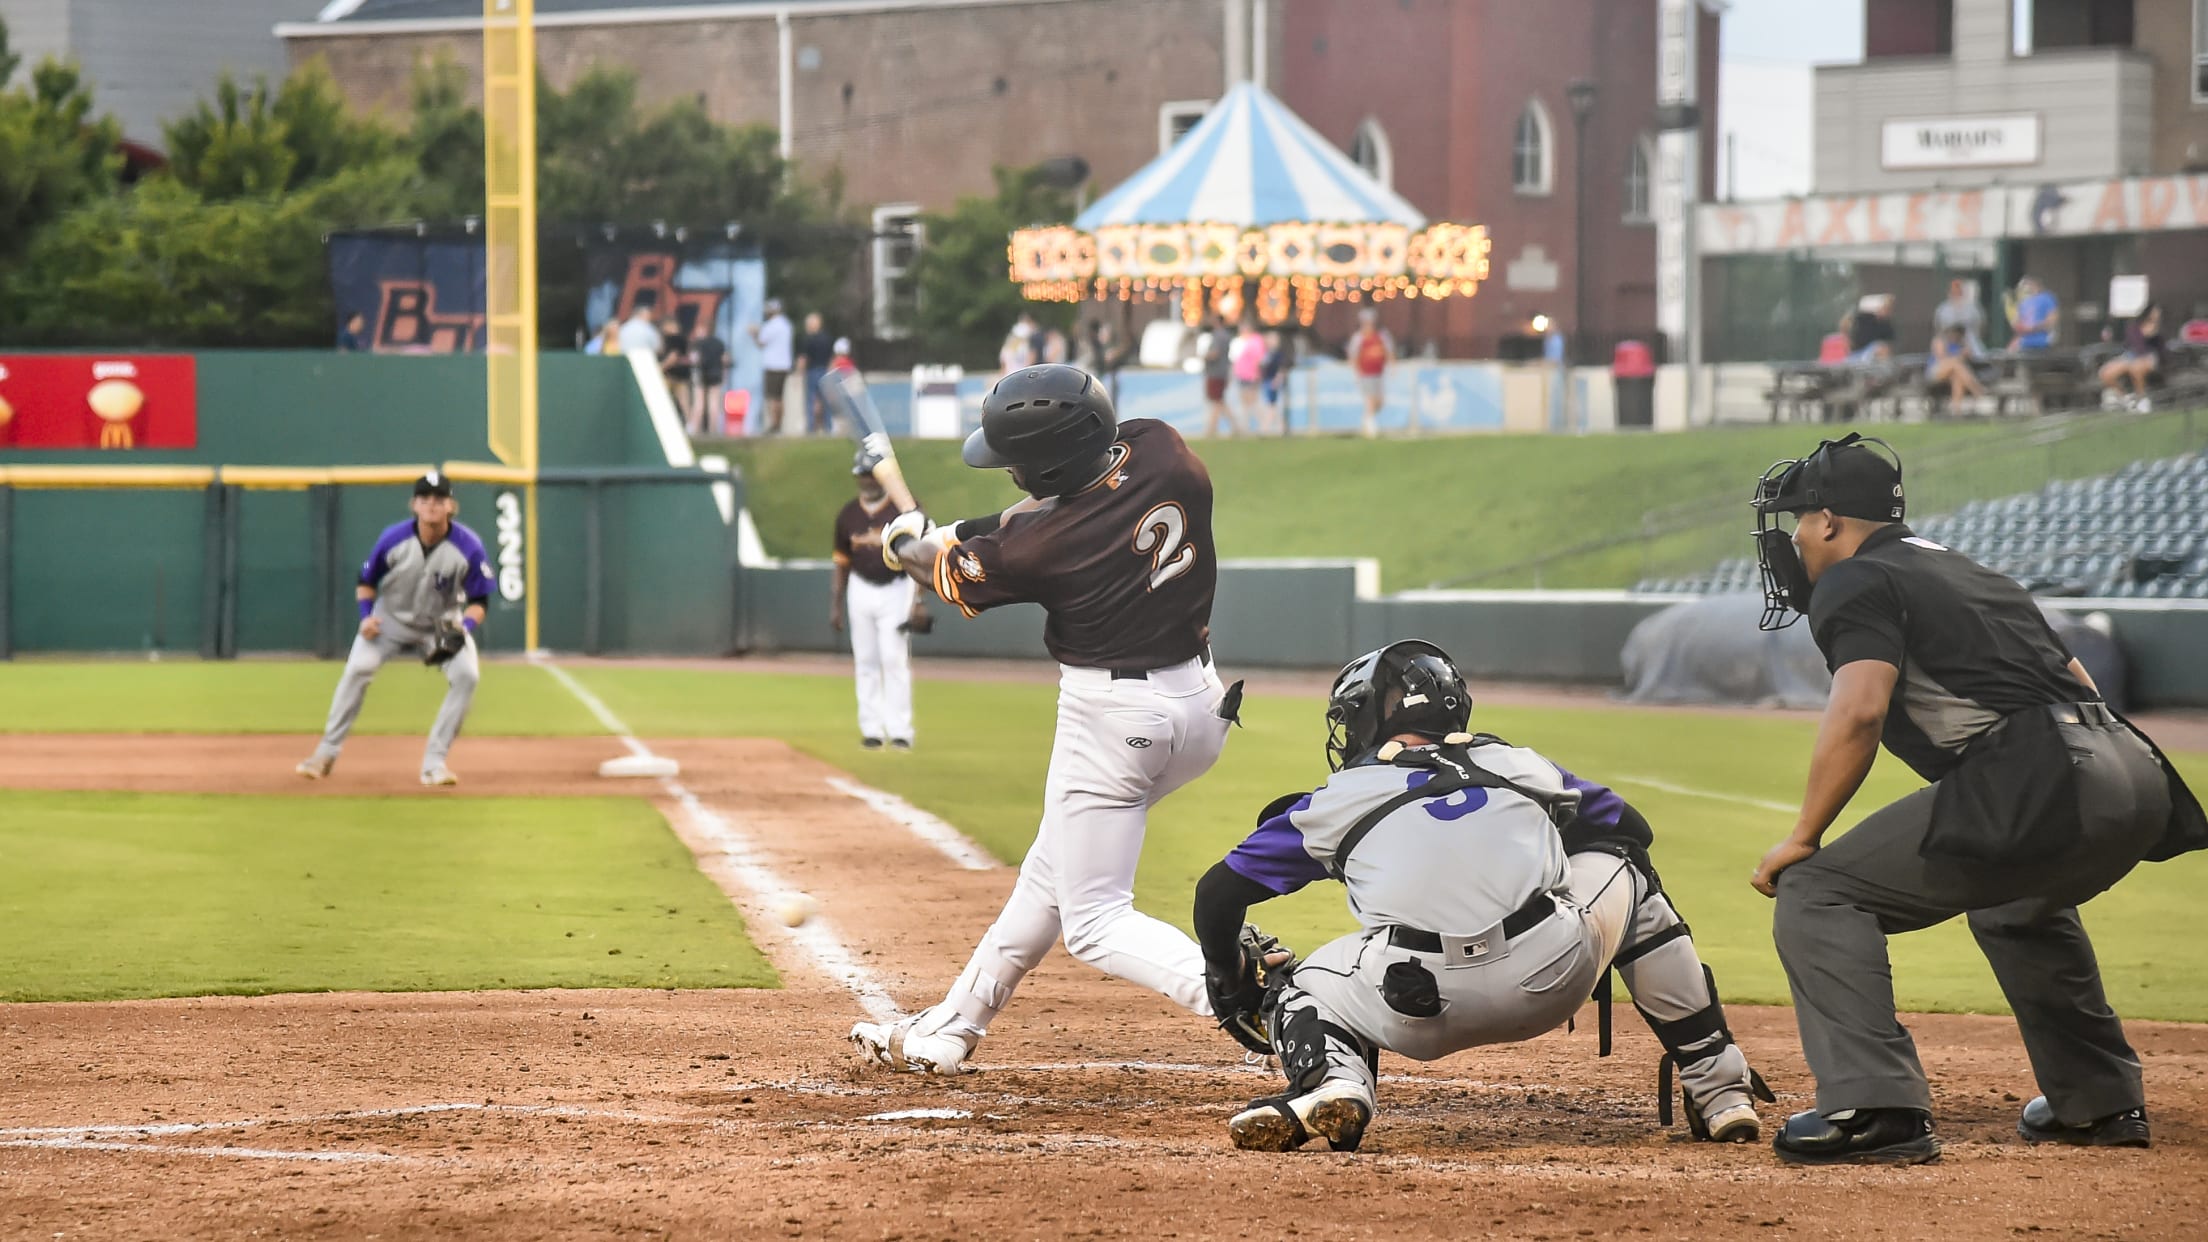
1251, 162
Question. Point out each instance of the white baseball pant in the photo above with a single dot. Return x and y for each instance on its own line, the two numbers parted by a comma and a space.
881, 654
462, 672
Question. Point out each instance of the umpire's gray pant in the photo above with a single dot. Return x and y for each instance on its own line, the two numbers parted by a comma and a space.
1836, 909
461, 674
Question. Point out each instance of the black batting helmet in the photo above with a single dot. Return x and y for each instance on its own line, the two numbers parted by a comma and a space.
1404, 687
1047, 424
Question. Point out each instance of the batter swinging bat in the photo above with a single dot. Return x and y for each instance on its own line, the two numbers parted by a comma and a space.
846, 388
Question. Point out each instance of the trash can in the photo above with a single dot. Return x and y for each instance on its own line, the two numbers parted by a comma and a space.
1633, 372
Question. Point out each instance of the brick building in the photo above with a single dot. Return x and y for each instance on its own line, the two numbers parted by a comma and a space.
1460, 104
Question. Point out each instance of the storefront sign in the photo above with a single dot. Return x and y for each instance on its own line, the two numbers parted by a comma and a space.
2057, 209
1959, 142
98, 401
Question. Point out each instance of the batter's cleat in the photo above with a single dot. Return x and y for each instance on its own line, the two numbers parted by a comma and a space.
1738, 1124
1335, 1110
440, 775
1858, 1136
315, 767
897, 1047
2124, 1129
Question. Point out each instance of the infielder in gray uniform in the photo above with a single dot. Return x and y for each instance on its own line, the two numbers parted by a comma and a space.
422, 591
1494, 891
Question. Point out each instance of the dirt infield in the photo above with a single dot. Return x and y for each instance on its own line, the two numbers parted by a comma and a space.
1100, 1110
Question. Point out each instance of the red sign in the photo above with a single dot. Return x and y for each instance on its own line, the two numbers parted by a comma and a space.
98, 401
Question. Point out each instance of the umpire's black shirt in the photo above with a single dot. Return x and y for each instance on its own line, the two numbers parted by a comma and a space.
1971, 644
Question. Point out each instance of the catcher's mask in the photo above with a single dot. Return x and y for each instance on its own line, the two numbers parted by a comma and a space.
1846, 477
1404, 687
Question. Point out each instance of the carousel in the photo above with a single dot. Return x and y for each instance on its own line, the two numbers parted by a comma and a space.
1251, 211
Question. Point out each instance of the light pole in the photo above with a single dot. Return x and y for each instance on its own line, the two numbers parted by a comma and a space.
1581, 92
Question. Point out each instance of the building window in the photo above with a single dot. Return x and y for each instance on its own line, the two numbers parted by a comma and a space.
2200, 51
1176, 118
897, 238
1638, 161
1532, 162
1369, 150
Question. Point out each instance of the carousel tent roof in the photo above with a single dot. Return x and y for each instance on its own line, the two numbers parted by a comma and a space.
1251, 162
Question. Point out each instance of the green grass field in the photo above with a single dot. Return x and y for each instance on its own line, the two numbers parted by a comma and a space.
216, 900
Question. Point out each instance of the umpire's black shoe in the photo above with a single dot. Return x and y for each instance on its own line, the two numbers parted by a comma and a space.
1861, 1136
2124, 1129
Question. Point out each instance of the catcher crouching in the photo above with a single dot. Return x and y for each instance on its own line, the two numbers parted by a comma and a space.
1494, 890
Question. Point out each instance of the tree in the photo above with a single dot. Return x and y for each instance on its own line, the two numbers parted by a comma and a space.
966, 297
54, 153
254, 140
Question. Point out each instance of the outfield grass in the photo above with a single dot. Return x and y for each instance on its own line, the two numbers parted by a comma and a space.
113, 896
983, 753
1522, 495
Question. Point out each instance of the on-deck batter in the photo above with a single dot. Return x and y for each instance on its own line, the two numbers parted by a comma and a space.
422, 590
1116, 547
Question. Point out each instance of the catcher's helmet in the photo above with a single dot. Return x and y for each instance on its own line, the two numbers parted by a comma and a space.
1404, 687
1048, 424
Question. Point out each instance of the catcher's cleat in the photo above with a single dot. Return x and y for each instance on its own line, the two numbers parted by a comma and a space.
1737, 1124
897, 1047
440, 775
1335, 1110
315, 767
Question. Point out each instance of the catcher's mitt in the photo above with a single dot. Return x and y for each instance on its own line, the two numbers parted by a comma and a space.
1241, 1000
448, 642
920, 622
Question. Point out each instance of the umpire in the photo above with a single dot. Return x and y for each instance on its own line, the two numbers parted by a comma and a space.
2040, 798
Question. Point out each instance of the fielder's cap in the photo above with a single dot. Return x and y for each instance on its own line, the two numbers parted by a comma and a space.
433, 484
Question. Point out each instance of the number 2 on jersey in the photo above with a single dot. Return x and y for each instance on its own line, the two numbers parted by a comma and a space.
1160, 534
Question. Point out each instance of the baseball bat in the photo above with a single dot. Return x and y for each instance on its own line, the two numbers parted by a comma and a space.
849, 388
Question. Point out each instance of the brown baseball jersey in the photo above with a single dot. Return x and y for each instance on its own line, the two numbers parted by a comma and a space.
859, 540
1125, 568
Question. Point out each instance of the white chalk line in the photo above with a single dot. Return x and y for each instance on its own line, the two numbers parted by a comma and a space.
231, 1153
948, 841
1761, 804
763, 890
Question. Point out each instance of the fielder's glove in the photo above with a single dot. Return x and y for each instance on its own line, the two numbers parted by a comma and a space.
449, 642
920, 622
1238, 998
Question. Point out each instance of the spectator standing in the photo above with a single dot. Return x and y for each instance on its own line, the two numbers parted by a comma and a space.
354, 339
2035, 315
1280, 361
1370, 351
1950, 365
1018, 349
1961, 310
776, 357
1217, 347
608, 341
637, 333
1247, 356
1102, 356
709, 385
675, 365
2141, 358
816, 349
1053, 347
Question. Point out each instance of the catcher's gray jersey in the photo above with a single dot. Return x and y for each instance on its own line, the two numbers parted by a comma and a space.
1455, 865
418, 586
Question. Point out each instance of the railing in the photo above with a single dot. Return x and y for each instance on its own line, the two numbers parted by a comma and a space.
1693, 537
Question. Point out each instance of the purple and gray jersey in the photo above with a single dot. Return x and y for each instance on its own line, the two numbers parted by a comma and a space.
1455, 864
416, 586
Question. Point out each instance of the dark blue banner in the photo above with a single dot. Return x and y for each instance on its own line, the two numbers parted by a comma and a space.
404, 294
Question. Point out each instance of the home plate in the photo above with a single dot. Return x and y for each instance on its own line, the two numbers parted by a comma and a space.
640, 765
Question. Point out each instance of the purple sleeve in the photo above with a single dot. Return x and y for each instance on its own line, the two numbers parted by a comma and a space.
371, 570
1274, 856
1599, 805
480, 582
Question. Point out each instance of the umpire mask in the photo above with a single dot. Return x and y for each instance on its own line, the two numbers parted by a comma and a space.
1846, 477
1405, 687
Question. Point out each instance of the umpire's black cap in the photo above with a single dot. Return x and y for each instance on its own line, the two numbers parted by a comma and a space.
434, 484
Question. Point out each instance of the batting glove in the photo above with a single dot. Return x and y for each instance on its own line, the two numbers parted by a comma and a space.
913, 525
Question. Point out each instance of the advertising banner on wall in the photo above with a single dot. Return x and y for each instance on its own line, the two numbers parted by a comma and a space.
99, 401
2056, 209
414, 294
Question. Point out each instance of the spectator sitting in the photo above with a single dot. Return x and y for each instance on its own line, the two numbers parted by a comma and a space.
1950, 365
841, 361
1833, 349
2035, 315
1961, 310
1871, 338
2141, 358
638, 333
2195, 330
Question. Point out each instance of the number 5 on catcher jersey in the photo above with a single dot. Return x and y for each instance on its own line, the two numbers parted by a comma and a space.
1125, 567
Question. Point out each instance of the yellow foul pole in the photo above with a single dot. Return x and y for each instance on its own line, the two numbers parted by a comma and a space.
510, 249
